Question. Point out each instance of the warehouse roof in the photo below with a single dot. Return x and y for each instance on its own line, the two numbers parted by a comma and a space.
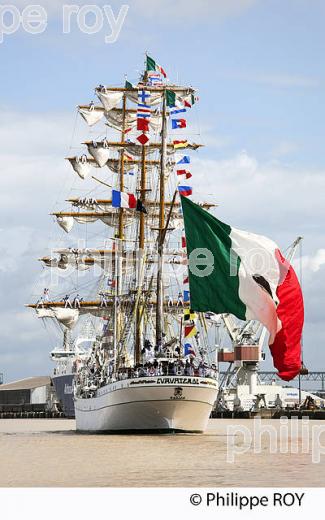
27, 384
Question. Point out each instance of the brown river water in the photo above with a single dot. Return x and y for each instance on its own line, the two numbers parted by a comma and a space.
48, 452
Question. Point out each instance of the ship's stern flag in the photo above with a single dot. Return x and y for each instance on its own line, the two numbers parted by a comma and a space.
246, 275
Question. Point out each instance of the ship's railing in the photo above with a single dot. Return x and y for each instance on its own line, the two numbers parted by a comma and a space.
92, 381
135, 374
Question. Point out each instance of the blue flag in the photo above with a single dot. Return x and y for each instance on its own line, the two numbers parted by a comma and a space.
186, 296
188, 350
176, 110
178, 123
183, 159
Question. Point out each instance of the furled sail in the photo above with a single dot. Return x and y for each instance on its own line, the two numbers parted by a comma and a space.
88, 203
99, 151
136, 150
82, 165
84, 259
110, 217
115, 119
155, 97
61, 262
45, 313
65, 223
91, 114
85, 219
155, 122
67, 317
114, 165
129, 166
109, 98
81, 261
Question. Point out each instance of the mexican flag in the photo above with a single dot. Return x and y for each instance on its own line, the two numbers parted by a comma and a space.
152, 65
237, 272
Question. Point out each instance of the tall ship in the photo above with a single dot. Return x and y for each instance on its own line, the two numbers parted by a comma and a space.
151, 365
161, 275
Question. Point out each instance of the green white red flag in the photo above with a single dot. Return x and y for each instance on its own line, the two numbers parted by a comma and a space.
153, 65
246, 275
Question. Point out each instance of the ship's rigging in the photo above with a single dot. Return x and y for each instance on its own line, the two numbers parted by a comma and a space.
142, 262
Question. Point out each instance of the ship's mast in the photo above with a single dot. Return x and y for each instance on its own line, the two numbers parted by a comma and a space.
160, 295
143, 189
141, 257
121, 213
66, 339
119, 245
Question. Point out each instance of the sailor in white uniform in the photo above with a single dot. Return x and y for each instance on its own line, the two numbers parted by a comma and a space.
67, 302
76, 301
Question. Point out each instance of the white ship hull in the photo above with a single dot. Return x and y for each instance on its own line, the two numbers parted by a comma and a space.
162, 403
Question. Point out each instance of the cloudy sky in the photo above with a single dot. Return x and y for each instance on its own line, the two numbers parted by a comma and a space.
259, 68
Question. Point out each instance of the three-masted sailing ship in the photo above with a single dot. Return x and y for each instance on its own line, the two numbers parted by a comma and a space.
152, 366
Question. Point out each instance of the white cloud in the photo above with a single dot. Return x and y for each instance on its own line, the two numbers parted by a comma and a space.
15, 241
313, 262
26, 134
284, 148
283, 200
242, 164
209, 136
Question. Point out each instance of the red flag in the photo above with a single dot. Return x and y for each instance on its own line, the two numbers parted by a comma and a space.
183, 242
143, 139
286, 348
143, 125
187, 174
190, 331
180, 144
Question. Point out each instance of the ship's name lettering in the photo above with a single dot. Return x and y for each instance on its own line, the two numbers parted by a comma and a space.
177, 381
